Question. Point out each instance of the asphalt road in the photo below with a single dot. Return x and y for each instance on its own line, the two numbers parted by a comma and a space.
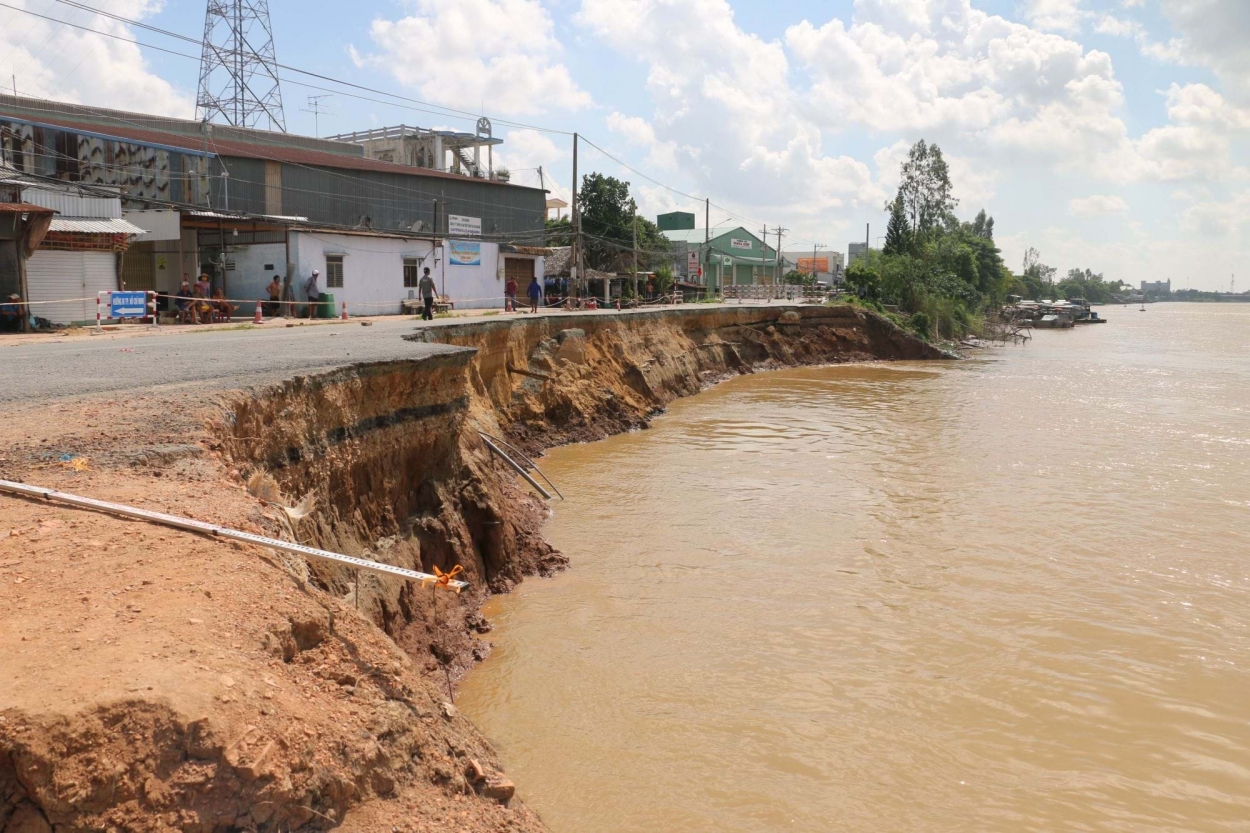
218, 358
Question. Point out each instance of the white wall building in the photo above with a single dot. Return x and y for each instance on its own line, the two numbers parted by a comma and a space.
374, 272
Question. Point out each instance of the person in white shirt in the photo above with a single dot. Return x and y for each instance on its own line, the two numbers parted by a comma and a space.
313, 293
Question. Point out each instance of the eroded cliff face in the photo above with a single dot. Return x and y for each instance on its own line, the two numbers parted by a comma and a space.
227, 688
394, 456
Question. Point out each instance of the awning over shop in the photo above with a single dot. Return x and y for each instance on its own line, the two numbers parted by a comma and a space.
89, 226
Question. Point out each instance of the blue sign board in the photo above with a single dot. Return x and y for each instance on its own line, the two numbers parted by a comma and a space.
128, 305
463, 253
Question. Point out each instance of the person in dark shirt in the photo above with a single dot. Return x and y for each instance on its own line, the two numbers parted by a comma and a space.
535, 292
426, 287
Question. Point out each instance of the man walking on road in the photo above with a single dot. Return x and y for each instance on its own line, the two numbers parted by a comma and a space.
535, 292
426, 287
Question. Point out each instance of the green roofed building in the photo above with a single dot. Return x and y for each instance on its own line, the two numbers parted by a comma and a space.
675, 221
731, 256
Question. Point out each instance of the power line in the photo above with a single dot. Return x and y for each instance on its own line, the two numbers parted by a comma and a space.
424, 106
438, 109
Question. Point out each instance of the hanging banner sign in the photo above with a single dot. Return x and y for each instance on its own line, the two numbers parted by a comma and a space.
458, 226
692, 261
463, 253
739, 244
814, 264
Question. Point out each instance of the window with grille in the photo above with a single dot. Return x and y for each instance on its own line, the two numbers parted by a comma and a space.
334, 271
412, 273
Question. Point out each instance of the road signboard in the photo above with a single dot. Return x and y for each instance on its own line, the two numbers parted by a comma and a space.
128, 305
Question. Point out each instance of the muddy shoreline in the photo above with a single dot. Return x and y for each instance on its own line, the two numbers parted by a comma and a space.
363, 735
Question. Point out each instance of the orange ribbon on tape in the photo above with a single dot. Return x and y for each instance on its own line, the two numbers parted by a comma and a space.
444, 579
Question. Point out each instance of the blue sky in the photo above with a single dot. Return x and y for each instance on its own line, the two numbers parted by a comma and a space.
1109, 134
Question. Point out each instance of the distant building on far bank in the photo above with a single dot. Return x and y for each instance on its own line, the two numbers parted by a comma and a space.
854, 252
827, 265
1156, 287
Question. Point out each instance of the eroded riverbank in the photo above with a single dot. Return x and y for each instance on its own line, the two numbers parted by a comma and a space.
221, 688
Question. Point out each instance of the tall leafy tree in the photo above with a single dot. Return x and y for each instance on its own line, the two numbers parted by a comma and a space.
926, 189
607, 215
898, 236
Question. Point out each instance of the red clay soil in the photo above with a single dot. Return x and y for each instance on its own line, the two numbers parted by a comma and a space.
160, 680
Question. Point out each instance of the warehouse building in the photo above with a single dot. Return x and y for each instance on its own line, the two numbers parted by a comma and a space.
242, 205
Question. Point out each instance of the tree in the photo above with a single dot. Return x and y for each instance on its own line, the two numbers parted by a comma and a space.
607, 215
983, 225
926, 189
1037, 279
559, 232
898, 236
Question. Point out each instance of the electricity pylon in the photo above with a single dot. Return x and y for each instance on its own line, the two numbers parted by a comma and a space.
238, 66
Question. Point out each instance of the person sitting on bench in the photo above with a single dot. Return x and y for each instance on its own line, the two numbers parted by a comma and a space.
11, 314
223, 310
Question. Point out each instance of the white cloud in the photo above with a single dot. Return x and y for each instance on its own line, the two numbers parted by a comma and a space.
525, 150
1009, 102
67, 64
1055, 15
470, 53
1216, 34
638, 131
1118, 27
1172, 51
1097, 205
763, 149
1220, 218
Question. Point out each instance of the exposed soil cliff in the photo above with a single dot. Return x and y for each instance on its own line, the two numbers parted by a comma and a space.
222, 688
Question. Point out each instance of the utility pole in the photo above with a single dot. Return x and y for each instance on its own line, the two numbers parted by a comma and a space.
576, 259
763, 255
867, 239
707, 237
777, 268
815, 248
633, 207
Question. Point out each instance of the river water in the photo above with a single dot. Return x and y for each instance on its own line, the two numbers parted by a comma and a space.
1008, 593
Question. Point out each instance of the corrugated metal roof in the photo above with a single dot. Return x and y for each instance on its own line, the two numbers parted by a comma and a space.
257, 150
71, 204
91, 226
23, 208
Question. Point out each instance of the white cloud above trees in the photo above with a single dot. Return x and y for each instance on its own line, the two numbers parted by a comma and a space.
464, 53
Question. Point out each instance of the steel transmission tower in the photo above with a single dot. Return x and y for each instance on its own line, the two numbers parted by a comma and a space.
238, 67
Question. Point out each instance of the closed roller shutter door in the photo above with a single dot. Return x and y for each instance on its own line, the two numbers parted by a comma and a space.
137, 268
743, 274
54, 276
99, 275
520, 269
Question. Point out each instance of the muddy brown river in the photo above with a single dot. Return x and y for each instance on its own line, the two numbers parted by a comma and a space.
1005, 594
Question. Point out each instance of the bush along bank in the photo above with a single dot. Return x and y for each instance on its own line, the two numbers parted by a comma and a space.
941, 274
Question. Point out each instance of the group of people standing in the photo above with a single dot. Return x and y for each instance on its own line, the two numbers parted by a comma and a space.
534, 291
199, 303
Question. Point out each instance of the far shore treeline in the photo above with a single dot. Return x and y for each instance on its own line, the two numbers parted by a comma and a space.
946, 274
